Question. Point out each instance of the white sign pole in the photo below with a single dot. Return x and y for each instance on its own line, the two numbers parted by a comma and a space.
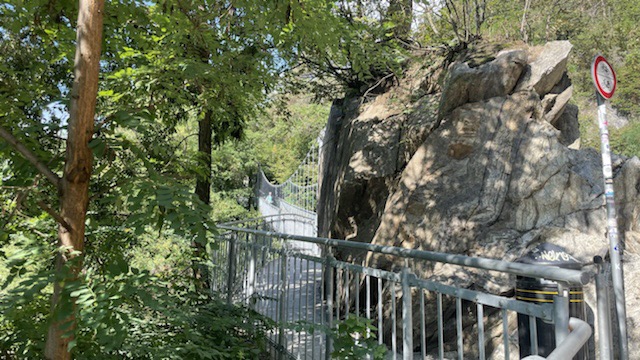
605, 81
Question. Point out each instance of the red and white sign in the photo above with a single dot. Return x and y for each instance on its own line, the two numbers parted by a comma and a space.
603, 77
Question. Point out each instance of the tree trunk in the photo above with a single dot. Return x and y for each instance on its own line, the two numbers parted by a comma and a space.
203, 182
203, 191
74, 189
523, 24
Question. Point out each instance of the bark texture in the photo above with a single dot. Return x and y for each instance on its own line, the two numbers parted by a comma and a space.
203, 191
74, 189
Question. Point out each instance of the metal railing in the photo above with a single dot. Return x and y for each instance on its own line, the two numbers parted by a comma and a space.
580, 332
307, 293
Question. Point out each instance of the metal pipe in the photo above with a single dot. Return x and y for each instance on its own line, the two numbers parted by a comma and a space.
615, 248
580, 334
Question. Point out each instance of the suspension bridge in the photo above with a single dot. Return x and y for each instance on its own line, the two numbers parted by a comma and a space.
278, 266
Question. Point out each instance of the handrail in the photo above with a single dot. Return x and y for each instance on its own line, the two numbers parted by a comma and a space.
580, 334
565, 276
267, 218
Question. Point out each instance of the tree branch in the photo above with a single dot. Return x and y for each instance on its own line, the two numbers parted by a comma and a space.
364, 96
54, 215
30, 156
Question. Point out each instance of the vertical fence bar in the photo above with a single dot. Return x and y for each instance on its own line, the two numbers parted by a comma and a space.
274, 267
329, 280
276, 286
300, 290
380, 311
459, 334
324, 310
367, 286
306, 308
394, 323
282, 316
480, 314
423, 329
505, 333
407, 317
251, 280
289, 301
231, 268
347, 284
338, 292
356, 294
440, 327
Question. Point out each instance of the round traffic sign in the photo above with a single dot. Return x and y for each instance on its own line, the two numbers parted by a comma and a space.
603, 77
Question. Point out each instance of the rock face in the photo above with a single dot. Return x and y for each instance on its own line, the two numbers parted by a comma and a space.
486, 166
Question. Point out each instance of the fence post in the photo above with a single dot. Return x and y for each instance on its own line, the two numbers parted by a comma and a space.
251, 273
231, 268
604, 314
561, 313
407, 316
282, 316
328, 272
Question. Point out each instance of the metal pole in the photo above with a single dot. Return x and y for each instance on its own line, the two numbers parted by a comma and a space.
615, 249
604, 318
407, 317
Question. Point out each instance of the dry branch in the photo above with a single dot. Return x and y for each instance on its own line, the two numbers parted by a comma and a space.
30, 156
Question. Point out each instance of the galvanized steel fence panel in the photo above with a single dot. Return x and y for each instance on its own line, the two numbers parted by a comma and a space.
307, 295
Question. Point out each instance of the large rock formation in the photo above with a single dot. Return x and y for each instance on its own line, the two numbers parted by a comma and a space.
485, 165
